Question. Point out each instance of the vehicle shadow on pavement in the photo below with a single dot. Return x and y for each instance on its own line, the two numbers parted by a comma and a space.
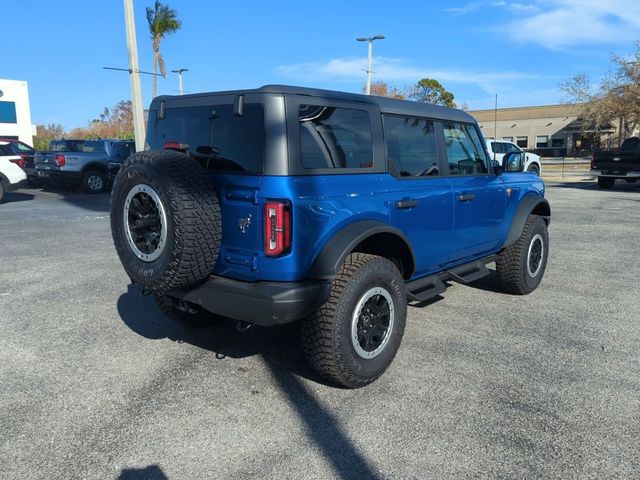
17, 197
279, 348
152, 472
591, 185
97, 202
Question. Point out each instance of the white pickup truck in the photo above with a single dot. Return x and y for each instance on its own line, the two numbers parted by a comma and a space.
12, 176
499, 148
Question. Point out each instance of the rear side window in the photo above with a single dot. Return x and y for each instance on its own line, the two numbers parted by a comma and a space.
497, 147
464, 149
334, 137
411, 146
212, 134
122, 149
5, 150
93, 147
66, 146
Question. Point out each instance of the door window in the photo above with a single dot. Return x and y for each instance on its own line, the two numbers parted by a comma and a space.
411, 146
465, 154
497, 147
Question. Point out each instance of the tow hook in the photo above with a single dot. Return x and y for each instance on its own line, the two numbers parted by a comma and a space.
243, 326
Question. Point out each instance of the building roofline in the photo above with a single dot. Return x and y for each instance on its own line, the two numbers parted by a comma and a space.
529, 107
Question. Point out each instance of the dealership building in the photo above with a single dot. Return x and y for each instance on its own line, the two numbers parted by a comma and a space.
548, 130
15, 113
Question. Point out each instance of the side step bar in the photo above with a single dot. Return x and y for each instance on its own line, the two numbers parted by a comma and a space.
431, 286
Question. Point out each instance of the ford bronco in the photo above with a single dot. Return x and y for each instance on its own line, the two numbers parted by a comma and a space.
285, 204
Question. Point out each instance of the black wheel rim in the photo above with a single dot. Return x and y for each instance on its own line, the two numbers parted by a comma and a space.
372, 322
145, 223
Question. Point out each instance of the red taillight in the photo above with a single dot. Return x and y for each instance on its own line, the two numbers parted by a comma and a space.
60, 160
181, 147
277, 228
21, 162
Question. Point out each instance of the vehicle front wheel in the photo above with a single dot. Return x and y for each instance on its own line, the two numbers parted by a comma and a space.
187, 314
606, 182
533, 168
521, 266
355, 335
93, 181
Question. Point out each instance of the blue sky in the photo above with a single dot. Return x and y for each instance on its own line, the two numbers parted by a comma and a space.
519, 50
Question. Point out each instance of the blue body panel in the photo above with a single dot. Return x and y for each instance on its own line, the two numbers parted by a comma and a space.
442, 231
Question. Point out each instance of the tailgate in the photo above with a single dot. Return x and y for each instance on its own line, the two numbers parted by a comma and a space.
617, 162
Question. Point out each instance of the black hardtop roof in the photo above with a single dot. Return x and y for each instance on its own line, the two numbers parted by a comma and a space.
386, 105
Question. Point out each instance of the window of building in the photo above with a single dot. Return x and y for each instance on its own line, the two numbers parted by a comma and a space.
464, 149
8, 112
542, 141
507, 139
332, 137
557, 142
411, 146
522, 142
213, 135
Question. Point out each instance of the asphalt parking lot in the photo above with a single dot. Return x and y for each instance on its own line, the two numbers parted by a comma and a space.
96, 384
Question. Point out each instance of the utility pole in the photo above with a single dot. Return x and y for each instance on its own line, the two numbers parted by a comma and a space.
134, 73
370, 40
179, 72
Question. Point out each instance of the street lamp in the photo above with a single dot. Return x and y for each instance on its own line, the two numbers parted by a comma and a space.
179, 72
370, 40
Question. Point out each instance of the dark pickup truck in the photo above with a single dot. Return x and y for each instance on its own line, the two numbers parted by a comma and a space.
622, 164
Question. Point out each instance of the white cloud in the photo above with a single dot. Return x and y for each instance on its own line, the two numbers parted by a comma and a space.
396, 70
558, 24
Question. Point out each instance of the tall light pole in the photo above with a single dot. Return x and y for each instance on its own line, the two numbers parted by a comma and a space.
370, 40
179, 72
134, 73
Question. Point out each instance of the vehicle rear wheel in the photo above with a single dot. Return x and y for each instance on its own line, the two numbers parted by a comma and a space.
165, 220
533, 168
187, 314
606, 182
94, 181
355, 335
2, 190
521, 266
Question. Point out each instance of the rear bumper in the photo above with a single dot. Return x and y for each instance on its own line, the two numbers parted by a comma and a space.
57, 175
259, 303
15, 186
613, 174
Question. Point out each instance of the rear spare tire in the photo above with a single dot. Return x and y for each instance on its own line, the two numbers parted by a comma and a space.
165, 220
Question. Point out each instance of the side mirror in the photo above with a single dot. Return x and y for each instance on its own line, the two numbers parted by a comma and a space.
513, 162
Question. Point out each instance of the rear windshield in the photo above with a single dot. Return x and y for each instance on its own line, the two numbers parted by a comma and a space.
92, 146
221, 140
630, 145
66, 145
122, 149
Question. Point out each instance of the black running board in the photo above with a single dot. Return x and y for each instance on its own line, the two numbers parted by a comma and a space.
431, 286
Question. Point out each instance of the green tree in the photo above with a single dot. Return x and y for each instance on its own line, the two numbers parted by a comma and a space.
46, 133
163, 20
614, 100
429, 90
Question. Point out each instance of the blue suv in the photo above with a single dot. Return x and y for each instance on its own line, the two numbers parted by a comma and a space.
282, 204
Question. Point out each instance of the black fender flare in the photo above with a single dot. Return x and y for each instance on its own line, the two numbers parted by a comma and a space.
4, 179
526, 207
329, 261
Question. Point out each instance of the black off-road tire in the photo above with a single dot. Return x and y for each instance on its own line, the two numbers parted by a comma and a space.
327, 333
94, 181
513, 265
191, 316
606, 182
193, 228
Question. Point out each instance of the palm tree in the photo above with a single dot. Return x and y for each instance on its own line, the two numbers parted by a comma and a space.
163, 20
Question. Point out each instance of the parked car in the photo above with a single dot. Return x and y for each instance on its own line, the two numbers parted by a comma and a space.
12, 176
92, 164
622, 164
499, 148
282, 203
26, 153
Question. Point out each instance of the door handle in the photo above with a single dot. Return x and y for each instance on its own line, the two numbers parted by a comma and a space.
466, 197
406, 203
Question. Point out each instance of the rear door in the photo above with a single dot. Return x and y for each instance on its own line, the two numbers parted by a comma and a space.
421, 203
478, 194
231, 148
